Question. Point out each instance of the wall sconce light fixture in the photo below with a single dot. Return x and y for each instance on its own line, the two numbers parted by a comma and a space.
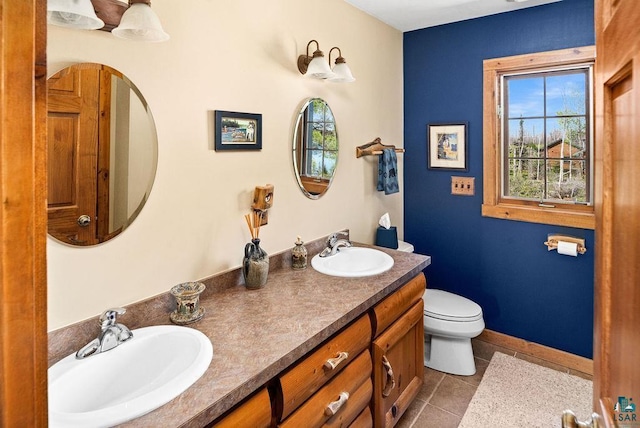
139, 22
341, 71
314, 66
78, 14
135, 21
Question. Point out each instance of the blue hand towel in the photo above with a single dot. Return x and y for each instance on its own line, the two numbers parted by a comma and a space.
387, 172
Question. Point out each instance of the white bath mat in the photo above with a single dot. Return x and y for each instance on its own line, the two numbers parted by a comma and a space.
516, 393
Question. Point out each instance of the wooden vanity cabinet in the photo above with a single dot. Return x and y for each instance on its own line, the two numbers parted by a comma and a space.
380, 377
364, 420
397, 352
339, 368
255, 413
340, 401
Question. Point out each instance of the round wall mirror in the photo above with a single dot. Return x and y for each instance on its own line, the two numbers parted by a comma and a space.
102, 153
315, 148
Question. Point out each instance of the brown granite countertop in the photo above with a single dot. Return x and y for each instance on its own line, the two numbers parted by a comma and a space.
256, 334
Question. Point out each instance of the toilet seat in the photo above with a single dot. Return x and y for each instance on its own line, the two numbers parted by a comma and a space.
442, 305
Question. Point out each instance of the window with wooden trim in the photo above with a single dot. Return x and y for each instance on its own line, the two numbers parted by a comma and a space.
538, 138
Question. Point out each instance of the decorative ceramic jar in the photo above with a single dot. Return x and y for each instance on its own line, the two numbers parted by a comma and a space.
299, 255
188, 308
255, 265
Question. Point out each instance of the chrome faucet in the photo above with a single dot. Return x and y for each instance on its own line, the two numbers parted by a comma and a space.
334, 244
112, 334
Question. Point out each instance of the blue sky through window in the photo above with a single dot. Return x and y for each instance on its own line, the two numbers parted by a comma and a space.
565, 94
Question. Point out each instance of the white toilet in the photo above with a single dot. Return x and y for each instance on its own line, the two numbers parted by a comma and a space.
450, 321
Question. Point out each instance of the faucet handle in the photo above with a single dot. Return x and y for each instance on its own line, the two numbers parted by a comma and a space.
108, 317
331, 241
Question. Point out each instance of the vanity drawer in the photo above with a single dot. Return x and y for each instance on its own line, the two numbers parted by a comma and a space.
313, 372
364, 420
391, 308
355, 380
255, 413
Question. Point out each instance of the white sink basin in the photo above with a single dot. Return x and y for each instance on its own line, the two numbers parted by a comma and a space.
136, 377
353, 262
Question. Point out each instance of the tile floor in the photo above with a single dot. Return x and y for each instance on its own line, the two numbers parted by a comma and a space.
444, 398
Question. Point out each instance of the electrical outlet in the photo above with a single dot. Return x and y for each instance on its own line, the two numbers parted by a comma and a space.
463, 186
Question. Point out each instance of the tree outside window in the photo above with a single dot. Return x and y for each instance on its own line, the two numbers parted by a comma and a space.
321, 150
546, 136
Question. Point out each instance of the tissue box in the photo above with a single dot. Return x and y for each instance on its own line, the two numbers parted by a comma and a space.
387, 237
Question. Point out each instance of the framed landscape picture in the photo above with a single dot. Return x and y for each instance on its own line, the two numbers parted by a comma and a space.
238, 131
447, 146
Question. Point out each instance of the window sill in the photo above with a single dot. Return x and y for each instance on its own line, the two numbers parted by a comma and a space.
554, 216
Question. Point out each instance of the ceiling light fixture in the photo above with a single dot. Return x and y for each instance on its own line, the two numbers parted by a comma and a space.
341, 71
78, 14
139, 22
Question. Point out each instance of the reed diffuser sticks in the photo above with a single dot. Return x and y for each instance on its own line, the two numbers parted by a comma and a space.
254, 221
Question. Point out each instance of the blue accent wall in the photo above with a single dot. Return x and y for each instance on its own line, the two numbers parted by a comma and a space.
524, 290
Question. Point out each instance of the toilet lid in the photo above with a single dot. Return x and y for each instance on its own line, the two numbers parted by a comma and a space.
450, 307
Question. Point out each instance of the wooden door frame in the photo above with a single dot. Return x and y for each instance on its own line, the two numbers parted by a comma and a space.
23, 139
613, 67
603, 250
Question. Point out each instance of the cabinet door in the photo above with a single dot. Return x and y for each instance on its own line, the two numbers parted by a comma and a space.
398, 366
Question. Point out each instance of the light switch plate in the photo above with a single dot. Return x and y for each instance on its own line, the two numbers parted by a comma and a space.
463, 186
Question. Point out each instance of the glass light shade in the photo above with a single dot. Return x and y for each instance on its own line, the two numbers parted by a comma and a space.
319, 68
342, 73
139, 22
77, 14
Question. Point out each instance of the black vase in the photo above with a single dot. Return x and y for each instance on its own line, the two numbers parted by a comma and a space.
255, 265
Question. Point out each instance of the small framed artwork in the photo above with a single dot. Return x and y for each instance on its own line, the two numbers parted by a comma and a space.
238, 131
447, 146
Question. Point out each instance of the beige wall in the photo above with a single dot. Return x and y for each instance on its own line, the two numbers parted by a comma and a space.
235, 56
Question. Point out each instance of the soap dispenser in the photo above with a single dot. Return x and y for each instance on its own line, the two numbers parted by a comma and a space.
299, 255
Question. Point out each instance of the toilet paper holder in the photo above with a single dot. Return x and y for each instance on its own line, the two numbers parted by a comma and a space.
554, 238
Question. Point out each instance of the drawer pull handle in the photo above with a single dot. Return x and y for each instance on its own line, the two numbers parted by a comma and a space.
334, 406
332, 363
390, 383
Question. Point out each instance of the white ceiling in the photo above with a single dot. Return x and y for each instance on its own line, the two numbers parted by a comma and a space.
407, 15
